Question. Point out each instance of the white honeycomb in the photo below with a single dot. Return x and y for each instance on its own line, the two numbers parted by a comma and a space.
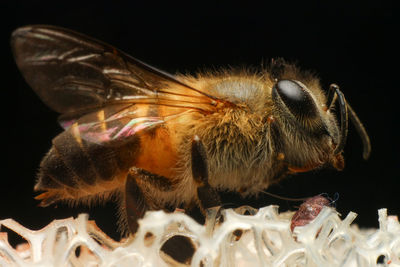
262, 239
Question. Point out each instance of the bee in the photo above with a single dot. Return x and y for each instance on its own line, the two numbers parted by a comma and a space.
153, 140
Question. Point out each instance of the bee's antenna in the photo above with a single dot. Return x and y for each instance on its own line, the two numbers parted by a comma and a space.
361, 132
343, 119
345, 111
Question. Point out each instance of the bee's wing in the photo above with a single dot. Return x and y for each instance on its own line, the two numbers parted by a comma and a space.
119, 122
73, 73
98, 87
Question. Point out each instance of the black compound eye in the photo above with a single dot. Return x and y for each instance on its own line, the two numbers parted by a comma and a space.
295, 98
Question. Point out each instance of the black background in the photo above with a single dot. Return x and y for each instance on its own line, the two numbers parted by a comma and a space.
349, 43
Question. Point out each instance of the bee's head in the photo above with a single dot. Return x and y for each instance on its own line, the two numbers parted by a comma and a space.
313, 135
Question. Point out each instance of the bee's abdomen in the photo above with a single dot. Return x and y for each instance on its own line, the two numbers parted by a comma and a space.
76, 168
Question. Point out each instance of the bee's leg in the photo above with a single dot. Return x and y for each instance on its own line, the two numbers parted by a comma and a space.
158, 182
135, 203
207, 195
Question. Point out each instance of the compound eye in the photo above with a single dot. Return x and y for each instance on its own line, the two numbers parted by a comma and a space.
295, 98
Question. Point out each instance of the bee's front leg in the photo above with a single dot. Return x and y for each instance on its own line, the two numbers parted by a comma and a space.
207, 195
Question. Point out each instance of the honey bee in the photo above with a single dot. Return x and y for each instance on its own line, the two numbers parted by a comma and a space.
153, 139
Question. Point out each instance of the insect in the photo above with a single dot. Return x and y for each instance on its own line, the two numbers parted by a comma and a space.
153, 139
308, 211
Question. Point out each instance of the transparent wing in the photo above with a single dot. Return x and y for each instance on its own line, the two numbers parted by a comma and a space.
73, 73
105, 93
119, 122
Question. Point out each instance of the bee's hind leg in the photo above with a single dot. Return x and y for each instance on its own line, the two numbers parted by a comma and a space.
135, 203
207, 195
137, 199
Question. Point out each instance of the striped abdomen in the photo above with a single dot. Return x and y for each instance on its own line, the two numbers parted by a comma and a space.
75, 168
